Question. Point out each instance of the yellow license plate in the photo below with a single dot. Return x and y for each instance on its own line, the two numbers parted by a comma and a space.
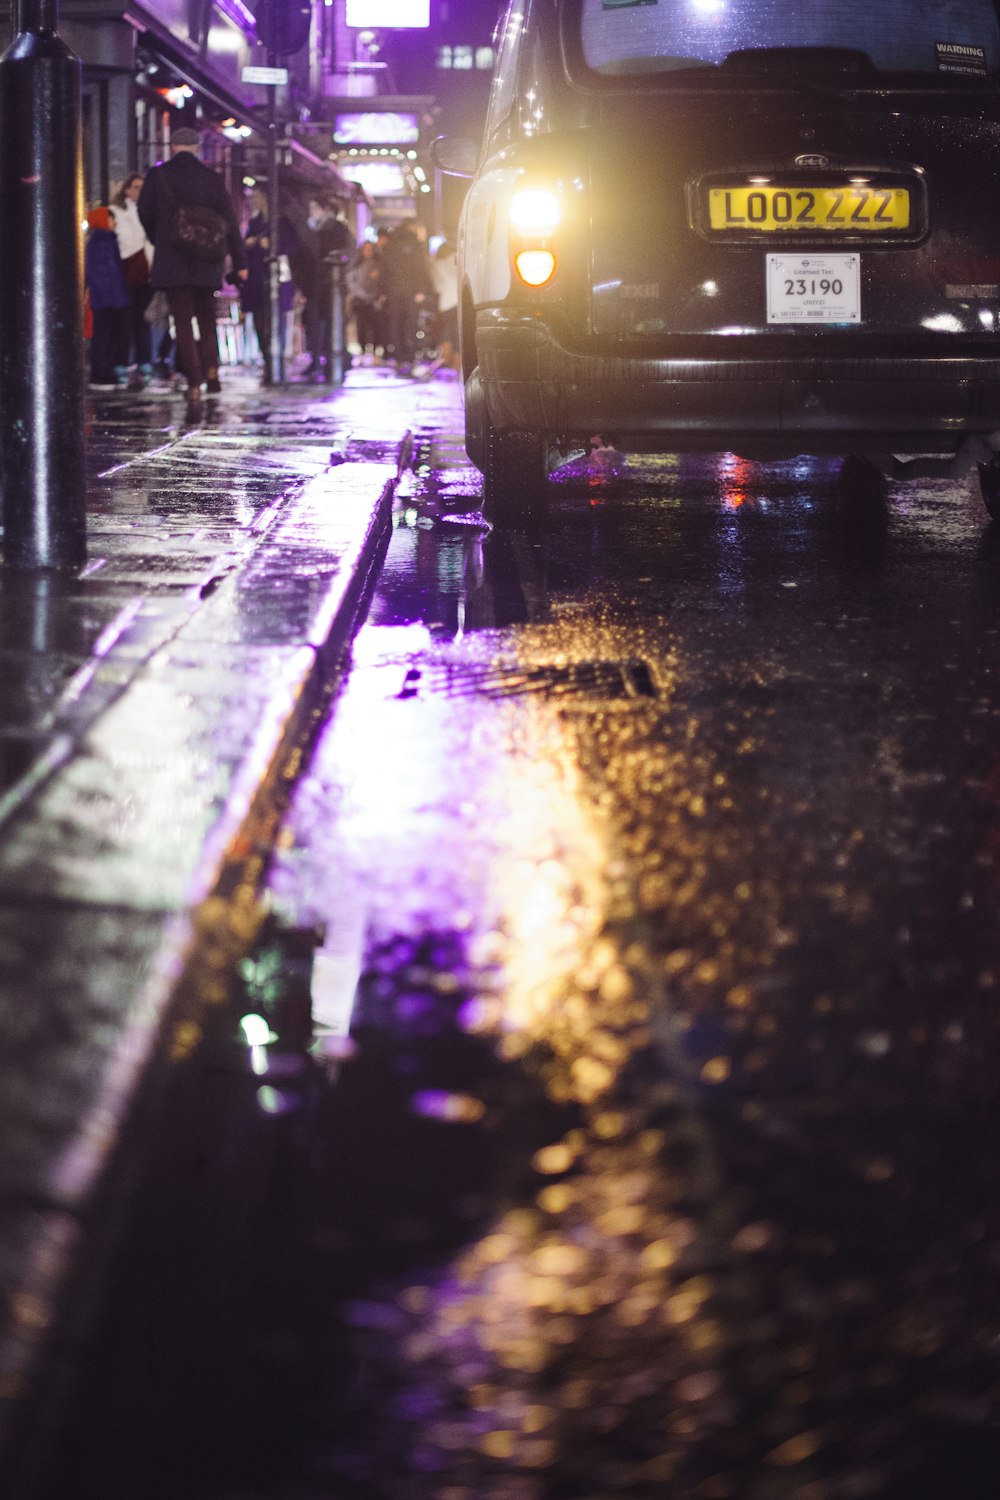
837, 210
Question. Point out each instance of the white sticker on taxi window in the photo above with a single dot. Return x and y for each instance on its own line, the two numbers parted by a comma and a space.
959, 57
813, 288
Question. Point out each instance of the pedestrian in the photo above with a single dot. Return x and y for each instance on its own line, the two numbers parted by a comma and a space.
137, 257
331, 238
363, 289
255, 292
407, 280
188, 216
160, 338
444, 274
108, 297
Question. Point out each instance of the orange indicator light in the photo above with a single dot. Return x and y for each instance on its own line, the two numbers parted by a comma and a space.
535, 267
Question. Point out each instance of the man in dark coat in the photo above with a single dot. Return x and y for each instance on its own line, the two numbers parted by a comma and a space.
330, 238
406, 280
190, 283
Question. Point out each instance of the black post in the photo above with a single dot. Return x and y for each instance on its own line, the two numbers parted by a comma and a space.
41, 296
336, 323
276, 372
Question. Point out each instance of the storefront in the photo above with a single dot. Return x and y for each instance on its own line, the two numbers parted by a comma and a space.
148, 64
377, 144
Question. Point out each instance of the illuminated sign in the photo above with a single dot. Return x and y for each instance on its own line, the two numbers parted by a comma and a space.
383, 127
377, 179
388, 15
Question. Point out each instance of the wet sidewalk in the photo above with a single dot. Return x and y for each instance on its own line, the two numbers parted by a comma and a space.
154, 710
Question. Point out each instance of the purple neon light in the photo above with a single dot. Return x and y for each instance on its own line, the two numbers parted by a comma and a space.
389, 15
238, 12
376, 128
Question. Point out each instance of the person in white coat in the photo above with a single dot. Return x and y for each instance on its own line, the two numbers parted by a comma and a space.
137, 257
444, 273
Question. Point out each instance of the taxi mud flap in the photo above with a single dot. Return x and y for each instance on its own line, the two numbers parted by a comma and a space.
475, 433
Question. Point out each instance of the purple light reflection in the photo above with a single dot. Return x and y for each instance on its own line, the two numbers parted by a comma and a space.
237, 11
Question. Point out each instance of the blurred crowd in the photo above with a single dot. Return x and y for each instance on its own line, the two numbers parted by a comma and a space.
400, 307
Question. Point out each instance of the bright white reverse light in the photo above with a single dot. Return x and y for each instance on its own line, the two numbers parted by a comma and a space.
534, 211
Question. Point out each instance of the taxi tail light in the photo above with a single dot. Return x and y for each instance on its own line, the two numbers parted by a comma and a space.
535, 267
535, 212
535, 215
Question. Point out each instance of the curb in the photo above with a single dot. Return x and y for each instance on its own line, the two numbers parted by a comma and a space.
62, 1240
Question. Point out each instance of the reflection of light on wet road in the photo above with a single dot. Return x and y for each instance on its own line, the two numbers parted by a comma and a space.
591, 1319
549, 881
465, 806
657, 914
736, 475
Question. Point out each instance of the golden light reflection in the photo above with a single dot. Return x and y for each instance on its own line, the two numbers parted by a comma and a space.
736, 476
587, 1307
561, 1303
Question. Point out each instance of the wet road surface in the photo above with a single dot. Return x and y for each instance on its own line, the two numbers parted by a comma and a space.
653, 1155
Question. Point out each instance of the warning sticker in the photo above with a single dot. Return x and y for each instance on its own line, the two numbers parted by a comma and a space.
960, 57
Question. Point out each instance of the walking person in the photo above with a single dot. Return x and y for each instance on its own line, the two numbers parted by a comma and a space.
137, 257
161, 340
407, 279
109, 302
330, 237
255, 292
364, 277
444, 274
188, 216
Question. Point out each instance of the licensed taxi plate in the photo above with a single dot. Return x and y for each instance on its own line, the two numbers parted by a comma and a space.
769, 208
814, 288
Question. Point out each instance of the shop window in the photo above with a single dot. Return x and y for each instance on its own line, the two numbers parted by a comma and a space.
480, 58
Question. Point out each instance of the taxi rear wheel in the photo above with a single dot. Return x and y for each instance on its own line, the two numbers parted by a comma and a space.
515, 473
862, 481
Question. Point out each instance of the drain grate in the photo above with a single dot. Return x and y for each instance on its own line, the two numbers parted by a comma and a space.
602, 680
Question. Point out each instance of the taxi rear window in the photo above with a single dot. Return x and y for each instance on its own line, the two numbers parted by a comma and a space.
950, 41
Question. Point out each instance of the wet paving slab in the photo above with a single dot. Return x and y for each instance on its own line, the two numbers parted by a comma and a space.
153, 707
607, 1111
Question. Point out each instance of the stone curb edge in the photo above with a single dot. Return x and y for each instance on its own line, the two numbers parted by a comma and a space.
199, 941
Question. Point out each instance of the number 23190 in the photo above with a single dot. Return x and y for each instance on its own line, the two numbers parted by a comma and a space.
817, 286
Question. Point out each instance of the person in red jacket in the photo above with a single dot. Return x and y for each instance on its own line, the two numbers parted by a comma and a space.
108, 297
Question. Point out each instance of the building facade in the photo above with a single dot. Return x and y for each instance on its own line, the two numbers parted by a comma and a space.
152, 64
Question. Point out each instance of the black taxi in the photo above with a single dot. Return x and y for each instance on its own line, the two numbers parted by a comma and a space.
732, 224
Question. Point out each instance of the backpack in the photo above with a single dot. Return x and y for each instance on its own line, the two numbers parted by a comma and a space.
199, 232
195, 230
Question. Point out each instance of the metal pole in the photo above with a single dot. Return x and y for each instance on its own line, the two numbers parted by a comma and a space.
42, 457
276, 371
338, 351
329, 293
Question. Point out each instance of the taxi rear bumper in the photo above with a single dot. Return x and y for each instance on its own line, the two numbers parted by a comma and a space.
797, 403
